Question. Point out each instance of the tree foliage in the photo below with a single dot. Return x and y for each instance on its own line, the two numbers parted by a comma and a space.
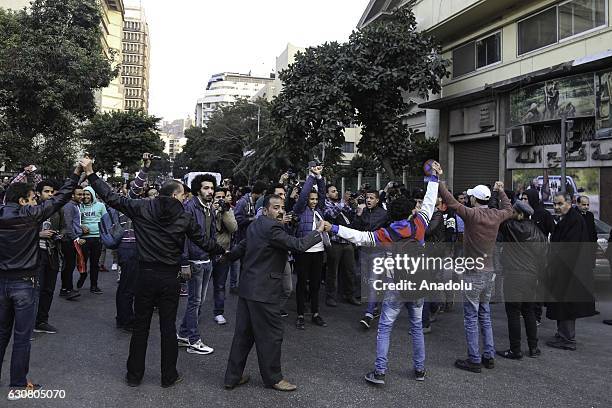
119, 139
232, 146
51, 63
362, 82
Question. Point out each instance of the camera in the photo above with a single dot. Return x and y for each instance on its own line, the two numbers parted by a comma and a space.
295, 219
223, 205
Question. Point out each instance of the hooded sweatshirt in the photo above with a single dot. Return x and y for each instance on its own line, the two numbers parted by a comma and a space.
542, 218
91, 214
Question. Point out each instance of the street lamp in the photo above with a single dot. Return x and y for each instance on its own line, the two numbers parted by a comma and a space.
258, 116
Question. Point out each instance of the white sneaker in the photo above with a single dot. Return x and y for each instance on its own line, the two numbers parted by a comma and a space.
199, 348
182, 341
114, 267
220, 320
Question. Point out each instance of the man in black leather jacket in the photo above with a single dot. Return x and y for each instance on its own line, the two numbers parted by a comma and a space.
20, 222
161, 225
523, 260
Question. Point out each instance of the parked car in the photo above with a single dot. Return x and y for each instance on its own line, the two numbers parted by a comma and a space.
602, 263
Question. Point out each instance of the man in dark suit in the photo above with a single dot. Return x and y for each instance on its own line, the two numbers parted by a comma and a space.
583, 205
258, 319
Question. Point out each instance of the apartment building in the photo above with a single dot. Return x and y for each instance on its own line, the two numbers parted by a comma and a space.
517, 68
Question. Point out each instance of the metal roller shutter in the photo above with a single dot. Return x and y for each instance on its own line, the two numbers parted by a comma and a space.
475, 162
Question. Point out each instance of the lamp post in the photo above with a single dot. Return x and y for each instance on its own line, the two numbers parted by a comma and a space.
258, 116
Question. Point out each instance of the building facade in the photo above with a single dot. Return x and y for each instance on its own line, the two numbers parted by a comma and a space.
14, 4
517, 68
173, 136
112, 12
136, 58
224, 89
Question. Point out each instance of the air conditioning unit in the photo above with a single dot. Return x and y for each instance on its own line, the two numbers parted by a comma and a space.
520, 136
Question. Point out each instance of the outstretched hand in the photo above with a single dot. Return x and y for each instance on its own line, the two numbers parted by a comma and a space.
87, 165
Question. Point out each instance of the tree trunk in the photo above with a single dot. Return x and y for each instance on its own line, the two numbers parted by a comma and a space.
386, 163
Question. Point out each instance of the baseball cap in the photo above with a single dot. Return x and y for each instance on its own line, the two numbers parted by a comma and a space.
314, 163
523, 207
480, 192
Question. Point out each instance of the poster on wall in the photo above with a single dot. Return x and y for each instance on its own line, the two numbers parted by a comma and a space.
580, 181
573, 96
603, 116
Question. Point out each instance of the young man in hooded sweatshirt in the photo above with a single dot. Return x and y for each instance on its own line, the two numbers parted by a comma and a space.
91, 213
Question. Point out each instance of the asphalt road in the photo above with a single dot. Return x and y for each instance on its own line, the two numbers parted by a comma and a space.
87, 360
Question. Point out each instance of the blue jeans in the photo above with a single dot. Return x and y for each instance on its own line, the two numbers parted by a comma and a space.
18, 303
219, 276
234, 272
391, 308
477, 312
196, 286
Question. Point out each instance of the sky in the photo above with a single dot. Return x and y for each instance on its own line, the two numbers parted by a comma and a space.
194, 39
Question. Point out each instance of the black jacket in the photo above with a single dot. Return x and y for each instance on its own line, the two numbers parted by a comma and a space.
264, 256
570, 275
370, 220
19, 227
541, 217
589, 220
160, 226
524, 248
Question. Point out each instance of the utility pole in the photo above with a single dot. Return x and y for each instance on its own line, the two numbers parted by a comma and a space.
563, 152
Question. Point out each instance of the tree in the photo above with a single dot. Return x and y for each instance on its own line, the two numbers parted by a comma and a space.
51, 63
388, 59
232, 146
313, 107
119, 139
361, 82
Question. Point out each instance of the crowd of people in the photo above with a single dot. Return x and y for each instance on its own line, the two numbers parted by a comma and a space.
172, 240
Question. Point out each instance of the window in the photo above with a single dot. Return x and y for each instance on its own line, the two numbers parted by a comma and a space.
560, 22
578, 16
488, 50
537, 31
348, 147
476, 54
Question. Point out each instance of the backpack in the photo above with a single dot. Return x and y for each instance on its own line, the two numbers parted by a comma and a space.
111, 230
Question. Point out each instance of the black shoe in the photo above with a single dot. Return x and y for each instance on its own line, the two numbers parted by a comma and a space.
488, 363
131, 383
375, 378
284, 313
318, 320
178, 380
609, 322
299, 323
561, 344
419, 375
534, 352
467, 365
243, 380
96, 290
44, 327
69, 294
351, 300
81, 281
366, 322
330, 301
510, 354
234, 291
